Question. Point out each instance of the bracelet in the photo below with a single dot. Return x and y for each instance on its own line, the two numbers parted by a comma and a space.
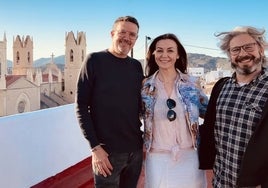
95, 148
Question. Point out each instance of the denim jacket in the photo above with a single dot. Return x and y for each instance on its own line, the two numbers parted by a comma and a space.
193, 98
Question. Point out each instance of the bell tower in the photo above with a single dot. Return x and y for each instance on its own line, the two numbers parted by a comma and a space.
22, 55
75, 54
3, 62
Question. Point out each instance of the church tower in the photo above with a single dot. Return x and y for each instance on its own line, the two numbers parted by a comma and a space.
75, 54
22, 55
3, 62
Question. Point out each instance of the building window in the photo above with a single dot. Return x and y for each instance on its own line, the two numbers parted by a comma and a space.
71, 56
83, 55
21, 106
18, 57
62, 86
29, 57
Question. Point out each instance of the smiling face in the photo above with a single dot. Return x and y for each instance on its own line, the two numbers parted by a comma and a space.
124, 36
166, 54
245, 54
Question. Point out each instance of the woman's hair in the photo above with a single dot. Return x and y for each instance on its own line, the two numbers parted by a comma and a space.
181, 62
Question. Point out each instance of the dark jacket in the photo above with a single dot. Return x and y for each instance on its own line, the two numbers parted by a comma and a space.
254, 167
206, 148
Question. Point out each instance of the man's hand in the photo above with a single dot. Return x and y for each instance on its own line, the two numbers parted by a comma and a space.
100, 161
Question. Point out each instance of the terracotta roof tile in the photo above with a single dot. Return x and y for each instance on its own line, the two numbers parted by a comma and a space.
12, 78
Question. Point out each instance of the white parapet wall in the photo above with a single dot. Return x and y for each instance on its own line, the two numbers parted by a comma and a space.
38, 145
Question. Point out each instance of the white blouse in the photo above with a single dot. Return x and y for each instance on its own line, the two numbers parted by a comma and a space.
169, 136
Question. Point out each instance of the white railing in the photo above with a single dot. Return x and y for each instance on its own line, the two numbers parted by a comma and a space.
38, 145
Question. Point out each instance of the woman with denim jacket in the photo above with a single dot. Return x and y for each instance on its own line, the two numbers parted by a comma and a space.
173, 102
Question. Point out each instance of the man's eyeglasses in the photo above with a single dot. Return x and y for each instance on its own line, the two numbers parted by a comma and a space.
123, 33
250, 47
171, 114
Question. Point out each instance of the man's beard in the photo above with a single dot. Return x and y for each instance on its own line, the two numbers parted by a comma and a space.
246, 70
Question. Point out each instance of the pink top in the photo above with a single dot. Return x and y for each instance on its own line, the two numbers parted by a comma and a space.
169, 136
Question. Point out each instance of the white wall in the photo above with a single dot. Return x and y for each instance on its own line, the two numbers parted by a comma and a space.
38, 145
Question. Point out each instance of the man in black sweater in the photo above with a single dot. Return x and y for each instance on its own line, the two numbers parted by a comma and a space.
108, 106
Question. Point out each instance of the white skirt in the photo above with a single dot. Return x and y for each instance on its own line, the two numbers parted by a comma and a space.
161, 171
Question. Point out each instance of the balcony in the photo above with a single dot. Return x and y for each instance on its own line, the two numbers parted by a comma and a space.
45, 149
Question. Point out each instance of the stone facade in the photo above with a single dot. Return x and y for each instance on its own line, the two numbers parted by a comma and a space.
28, 88
75, 54
22, 55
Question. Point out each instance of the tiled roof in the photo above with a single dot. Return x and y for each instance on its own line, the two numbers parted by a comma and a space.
12, 78
45, 77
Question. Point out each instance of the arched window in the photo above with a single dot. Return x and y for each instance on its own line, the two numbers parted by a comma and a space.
71, 55
21, 106
18, 57
83, 55
23, 103
29, 57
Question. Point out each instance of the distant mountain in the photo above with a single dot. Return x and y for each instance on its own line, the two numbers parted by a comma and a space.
43, 61
195, 60
208, 62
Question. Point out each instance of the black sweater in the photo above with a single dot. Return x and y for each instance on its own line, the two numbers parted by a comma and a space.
108, 102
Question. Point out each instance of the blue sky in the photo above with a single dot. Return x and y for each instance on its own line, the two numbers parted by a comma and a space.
194, 21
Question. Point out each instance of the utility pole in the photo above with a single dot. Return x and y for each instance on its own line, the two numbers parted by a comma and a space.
146, 49
131, 53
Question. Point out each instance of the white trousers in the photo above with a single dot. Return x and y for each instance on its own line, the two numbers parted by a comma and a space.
161, 171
